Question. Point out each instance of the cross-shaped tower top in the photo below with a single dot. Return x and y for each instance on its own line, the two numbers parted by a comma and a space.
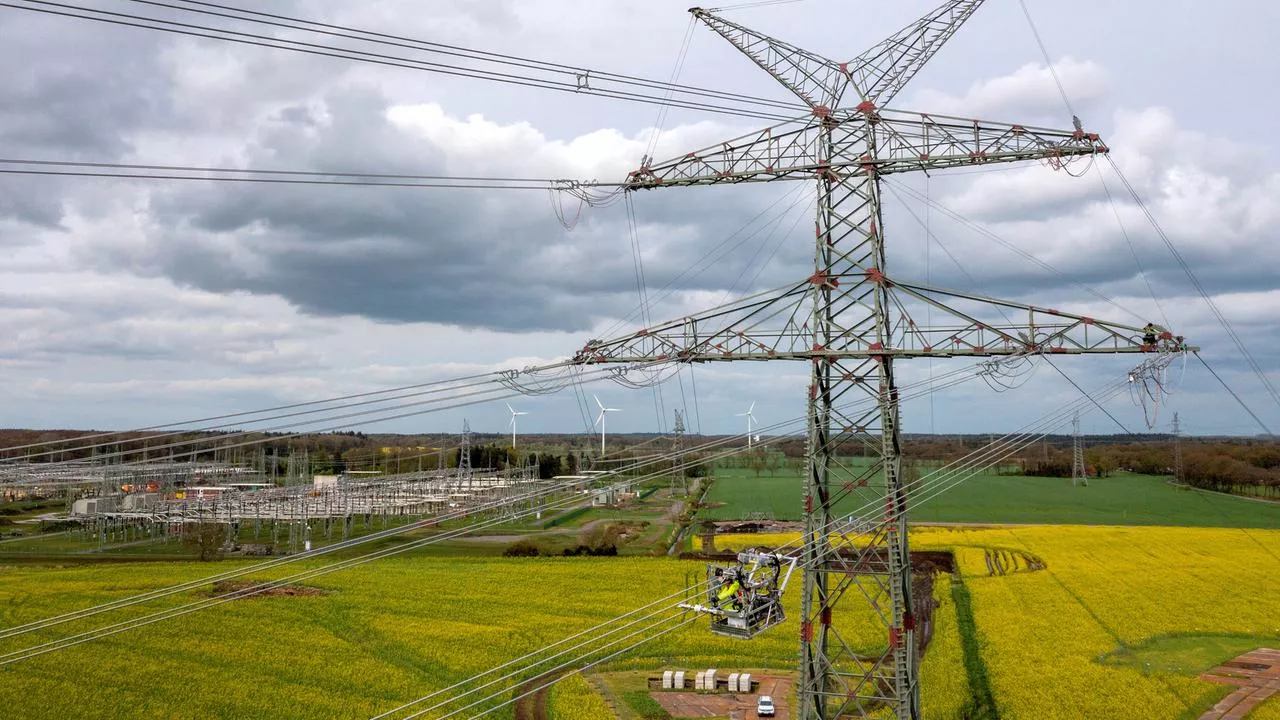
875, 76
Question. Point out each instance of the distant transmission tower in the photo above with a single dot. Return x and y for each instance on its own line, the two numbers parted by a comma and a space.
1179, 474
1078, 476
464, 452
677, 449
850, 323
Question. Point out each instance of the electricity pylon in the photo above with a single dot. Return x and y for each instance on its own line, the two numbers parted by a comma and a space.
677, 451
851, 322
464, 453
1078, 474
1178, 472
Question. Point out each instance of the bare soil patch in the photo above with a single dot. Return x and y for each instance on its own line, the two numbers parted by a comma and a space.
740, 706
246, 586
533, 695
927, 562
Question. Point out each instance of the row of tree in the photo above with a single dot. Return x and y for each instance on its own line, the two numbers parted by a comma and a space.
1247, 467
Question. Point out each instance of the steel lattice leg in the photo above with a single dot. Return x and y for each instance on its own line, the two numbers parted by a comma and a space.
851, 309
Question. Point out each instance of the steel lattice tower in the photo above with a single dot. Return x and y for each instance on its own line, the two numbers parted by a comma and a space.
464, 452
851, 322
1178, 473
1078, 474
677, 449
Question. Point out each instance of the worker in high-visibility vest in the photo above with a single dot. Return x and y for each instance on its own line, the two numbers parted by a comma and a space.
729, 593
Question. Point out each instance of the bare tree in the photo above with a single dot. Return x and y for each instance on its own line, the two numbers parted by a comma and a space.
207, 538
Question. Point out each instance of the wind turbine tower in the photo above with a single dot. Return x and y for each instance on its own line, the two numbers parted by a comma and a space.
751, 421
600, 421
514, 415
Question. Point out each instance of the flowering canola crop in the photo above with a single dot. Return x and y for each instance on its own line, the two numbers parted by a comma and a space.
573, 699
1043, 632
385, 633
394, 630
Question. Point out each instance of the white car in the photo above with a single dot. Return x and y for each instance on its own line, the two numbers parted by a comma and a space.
764, 706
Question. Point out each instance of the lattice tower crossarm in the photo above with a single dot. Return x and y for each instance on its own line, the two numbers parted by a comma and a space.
850, 320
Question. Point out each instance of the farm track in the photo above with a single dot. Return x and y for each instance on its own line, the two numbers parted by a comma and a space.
534, 705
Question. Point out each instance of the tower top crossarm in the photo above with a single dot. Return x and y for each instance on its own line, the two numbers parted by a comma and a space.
881, 72
904, 142
875, 76
814, 79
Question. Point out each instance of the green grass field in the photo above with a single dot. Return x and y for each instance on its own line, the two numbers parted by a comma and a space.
1123, 499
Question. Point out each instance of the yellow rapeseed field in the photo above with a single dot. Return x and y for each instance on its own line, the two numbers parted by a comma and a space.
573, 699
946, 689
1269, 710
1107, 588
385, 633
1053, 640
1045, 634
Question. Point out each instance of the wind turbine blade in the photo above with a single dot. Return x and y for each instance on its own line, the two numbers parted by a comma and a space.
513, 412
753, 407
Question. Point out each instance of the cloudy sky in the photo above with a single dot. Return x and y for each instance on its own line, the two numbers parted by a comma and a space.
126, 303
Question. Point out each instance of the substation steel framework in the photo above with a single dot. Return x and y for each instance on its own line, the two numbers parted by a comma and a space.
851, 322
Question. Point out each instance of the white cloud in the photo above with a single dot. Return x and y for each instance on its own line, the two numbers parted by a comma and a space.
1029, 90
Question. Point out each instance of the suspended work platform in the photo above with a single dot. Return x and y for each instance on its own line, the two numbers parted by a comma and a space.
745, 598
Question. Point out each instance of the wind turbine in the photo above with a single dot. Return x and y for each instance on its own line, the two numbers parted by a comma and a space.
514, 415
751, 421
600, 421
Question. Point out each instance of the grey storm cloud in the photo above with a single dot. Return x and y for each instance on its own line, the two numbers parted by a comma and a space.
499, 260
457, 257
71, 93
22, 204
77, 90
490, 259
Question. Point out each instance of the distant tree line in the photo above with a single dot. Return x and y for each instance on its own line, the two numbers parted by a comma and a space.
1244, 467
